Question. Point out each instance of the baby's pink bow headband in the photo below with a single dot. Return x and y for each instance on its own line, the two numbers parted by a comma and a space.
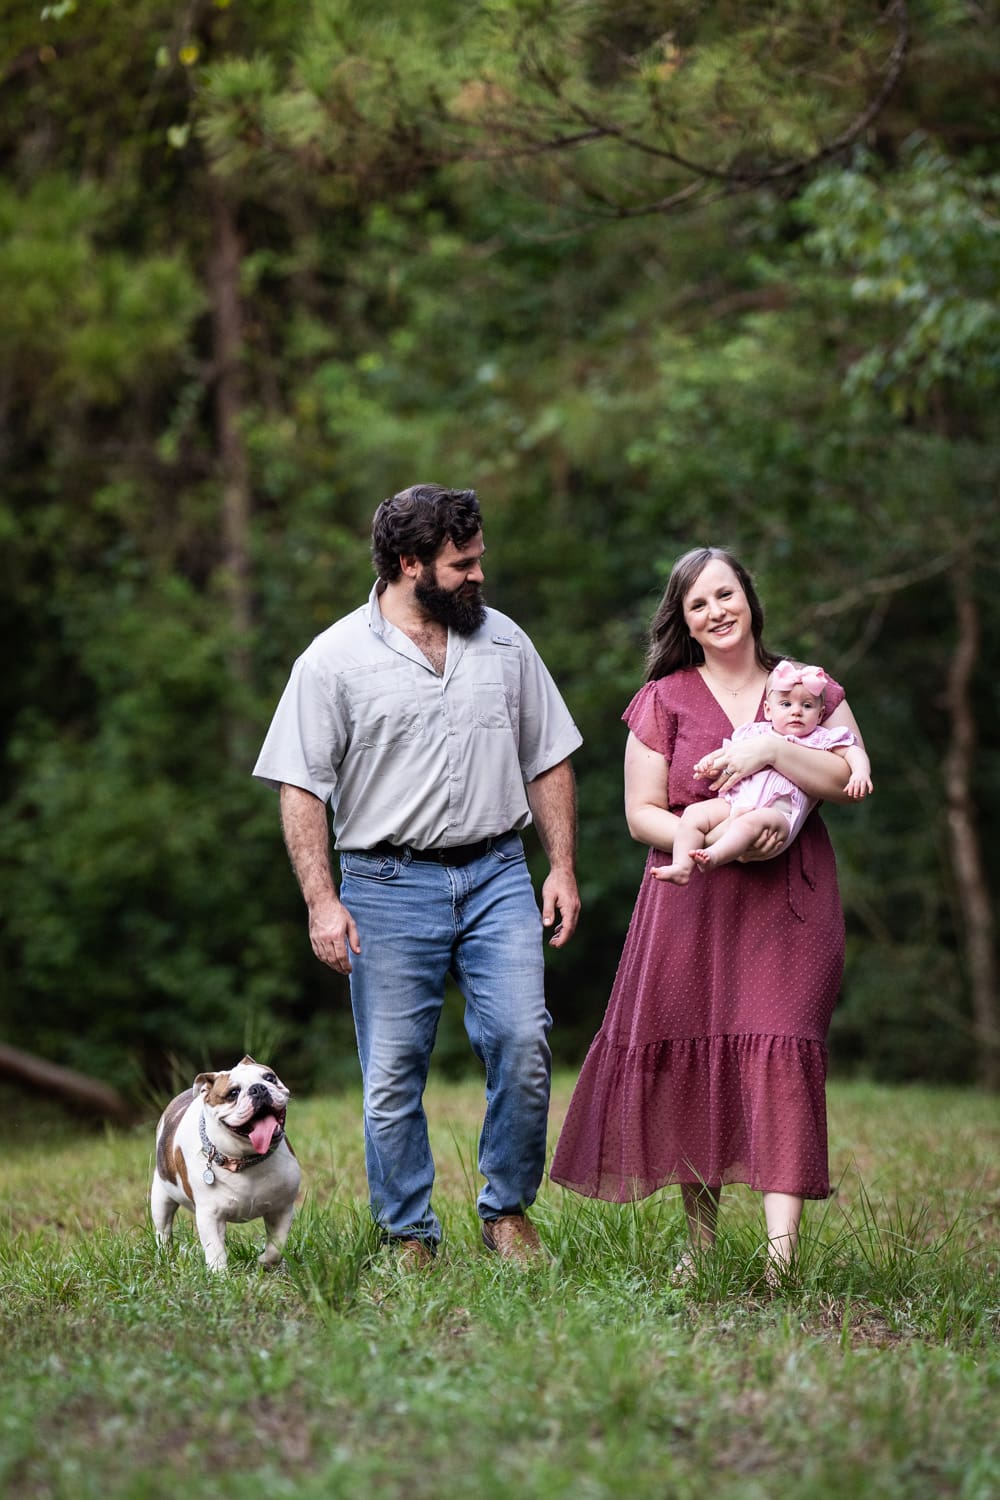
786, 675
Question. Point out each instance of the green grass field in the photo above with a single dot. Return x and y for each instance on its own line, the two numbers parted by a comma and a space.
874, 1372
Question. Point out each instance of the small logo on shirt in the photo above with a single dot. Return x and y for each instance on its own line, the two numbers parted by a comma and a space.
502, 640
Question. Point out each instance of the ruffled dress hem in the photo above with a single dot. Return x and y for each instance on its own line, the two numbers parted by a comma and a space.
748, 1109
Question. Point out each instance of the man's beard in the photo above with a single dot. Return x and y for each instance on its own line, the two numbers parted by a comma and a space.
460, 609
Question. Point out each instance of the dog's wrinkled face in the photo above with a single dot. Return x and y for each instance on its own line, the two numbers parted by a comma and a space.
250, 1100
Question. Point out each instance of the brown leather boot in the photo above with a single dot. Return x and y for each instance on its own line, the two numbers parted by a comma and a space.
513, 1237
414, 1255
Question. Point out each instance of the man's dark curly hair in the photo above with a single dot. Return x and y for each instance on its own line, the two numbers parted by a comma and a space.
417, 522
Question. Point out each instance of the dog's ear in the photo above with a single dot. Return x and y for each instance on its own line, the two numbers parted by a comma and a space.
204, 1082
248, 1062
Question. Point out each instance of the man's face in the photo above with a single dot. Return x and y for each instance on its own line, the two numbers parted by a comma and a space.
450, 589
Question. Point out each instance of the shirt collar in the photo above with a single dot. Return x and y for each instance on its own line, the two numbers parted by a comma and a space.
384, 629
376, 620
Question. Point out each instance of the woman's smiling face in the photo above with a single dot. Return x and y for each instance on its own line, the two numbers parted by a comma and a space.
716, 610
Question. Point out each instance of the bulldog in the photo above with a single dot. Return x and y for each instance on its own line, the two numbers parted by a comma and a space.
221, 1151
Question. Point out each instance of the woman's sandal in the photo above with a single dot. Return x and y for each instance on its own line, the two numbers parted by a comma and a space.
774, 1276
685, 1271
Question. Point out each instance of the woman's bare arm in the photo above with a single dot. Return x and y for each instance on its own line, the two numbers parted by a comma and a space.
646, 814
828, 786
649, 820
821, 774
646, 797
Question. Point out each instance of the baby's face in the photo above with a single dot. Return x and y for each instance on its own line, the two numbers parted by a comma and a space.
793, 710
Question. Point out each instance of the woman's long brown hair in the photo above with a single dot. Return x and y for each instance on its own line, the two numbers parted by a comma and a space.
670, 644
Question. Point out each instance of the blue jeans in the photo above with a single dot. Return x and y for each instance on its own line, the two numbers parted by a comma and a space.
419, 921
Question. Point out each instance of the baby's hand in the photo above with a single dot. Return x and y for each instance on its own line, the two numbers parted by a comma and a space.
858, 786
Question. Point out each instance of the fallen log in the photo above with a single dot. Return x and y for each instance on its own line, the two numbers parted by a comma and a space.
66, 1084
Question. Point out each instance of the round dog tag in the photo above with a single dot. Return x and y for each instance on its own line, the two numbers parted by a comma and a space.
208, 1176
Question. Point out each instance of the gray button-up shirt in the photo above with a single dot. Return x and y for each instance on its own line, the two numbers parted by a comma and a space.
405, 755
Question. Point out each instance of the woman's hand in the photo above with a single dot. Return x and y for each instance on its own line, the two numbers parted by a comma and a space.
765, 846
724, 767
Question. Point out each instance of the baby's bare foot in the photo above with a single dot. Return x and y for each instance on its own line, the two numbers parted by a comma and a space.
703, 860
676, 874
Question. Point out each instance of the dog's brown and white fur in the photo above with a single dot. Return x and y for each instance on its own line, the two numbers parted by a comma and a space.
221, 1151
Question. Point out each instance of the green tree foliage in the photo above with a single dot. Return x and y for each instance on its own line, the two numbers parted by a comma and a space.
647, 276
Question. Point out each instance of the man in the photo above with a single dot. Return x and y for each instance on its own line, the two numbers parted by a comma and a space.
431, 725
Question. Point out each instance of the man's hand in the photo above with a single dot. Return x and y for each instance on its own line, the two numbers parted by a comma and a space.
559, 894
332, 930
333, 934
552, 799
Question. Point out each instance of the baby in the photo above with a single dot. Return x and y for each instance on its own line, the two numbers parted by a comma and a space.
719, 831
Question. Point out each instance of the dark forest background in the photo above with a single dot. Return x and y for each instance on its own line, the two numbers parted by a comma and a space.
647, 276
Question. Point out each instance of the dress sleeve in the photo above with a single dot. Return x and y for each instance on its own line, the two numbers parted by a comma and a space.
651, 720
833, 697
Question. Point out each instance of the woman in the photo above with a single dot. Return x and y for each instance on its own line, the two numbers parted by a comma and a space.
710, 1066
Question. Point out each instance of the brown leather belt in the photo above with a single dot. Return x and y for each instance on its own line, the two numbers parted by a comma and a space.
451, 854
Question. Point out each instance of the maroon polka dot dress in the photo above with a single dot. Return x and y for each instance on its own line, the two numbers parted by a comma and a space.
710, 1066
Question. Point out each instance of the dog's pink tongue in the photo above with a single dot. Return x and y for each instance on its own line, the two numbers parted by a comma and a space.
262, 1133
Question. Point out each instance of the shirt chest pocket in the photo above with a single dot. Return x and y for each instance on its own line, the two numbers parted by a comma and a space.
384, 707
489, 705
494, 692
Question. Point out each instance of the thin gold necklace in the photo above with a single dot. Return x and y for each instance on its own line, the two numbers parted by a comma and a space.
733, 692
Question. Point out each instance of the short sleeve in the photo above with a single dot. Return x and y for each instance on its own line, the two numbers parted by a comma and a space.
306, 740
547, 734
829, 739
651, 720
833, 697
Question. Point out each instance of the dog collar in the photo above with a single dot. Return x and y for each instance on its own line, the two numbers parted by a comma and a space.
232, 1163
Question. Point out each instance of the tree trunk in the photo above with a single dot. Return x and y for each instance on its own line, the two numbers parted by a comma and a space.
963, 830
227, 326
65, 1084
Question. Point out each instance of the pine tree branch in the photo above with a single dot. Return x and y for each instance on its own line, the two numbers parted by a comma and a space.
730, 180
